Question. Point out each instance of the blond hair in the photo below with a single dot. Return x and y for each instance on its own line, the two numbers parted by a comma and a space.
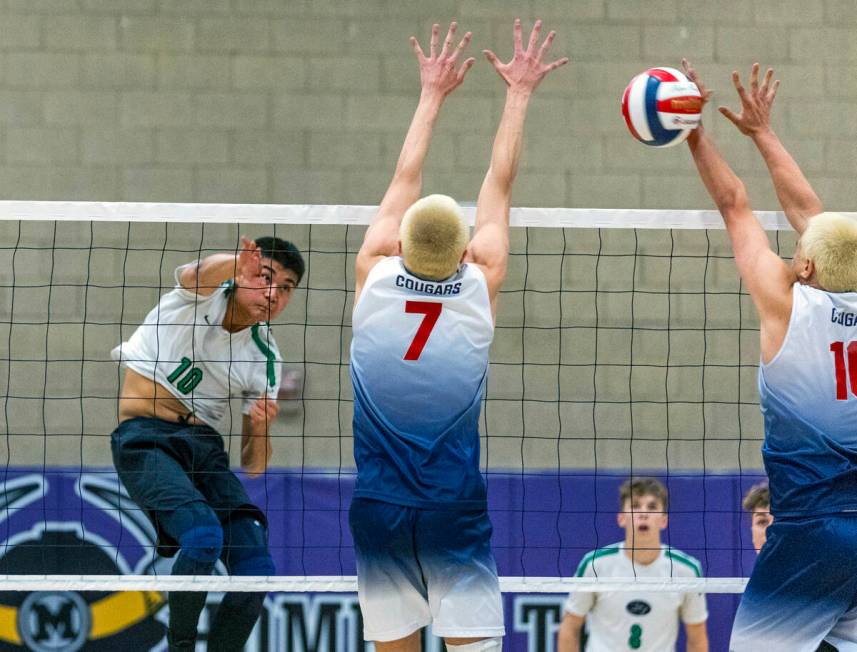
830, 242
433, 236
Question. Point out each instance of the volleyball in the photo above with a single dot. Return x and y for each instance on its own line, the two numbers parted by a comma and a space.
661, 106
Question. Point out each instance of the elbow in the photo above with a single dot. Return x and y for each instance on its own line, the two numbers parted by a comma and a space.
733, 200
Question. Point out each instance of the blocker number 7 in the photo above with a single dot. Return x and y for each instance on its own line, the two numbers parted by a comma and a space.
431, 310
839, 351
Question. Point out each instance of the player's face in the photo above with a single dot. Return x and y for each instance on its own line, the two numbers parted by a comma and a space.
643, 517
761, 519
265, 296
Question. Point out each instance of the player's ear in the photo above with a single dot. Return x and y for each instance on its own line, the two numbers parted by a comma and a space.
808, 269
621, 519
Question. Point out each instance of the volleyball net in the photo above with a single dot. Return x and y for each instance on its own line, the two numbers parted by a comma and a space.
624, 346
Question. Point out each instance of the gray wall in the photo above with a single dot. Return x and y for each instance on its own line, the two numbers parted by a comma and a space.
307, 102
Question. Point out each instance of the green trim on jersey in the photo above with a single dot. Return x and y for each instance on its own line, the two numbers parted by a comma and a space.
269, 367
682, 558
590, 557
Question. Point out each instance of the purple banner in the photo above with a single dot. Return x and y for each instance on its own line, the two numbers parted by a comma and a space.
65, 521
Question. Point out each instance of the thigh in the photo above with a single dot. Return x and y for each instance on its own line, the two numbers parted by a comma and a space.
155, 478
215, 480
390, 586
802, 584
454, 550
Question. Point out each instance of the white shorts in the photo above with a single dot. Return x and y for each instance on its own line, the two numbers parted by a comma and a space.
417, 567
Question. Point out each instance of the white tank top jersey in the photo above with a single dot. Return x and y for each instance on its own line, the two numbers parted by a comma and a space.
419, 360
808, 396
183, 346
641, 621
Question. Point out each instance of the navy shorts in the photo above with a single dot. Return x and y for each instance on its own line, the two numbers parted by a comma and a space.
420, 566
803, 588
178, 473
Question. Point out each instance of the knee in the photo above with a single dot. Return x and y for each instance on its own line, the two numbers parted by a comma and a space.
202, 543
247, 548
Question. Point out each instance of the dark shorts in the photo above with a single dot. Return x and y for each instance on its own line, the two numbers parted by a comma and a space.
419, 566
803, 588
178, 474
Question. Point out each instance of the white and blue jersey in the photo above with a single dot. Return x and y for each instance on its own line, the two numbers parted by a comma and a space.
808, 396
419, 360
803, 588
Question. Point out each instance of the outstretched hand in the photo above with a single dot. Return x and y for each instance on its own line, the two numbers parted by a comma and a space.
526, 69
438, 73
692, 75
756, 104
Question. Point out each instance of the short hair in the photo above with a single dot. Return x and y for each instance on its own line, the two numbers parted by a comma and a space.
830, 242
643, 487
284, 252
434, 236
758, 496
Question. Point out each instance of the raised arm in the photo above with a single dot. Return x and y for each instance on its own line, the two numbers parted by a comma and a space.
489, 247
438, 78
210, 272
767, 277
796, 196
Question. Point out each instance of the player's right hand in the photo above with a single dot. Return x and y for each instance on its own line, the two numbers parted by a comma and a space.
437, 71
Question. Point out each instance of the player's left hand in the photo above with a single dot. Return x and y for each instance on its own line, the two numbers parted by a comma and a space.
756, 104
526, 69
263, 412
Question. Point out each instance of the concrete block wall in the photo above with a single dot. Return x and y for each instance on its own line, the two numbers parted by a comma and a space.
307, 101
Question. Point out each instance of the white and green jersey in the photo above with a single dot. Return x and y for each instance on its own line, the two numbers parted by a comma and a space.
646, 622
183, 346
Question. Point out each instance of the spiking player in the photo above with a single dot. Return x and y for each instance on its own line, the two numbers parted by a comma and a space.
423, 322
205, 342
647, 622
804, 584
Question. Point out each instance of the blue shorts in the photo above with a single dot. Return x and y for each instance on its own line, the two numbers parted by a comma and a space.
417, 567
803, 588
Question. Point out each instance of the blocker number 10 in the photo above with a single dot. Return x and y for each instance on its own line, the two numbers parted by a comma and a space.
839, 351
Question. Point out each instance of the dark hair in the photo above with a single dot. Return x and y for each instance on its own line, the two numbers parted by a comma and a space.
758, 496
284, 252
643, 487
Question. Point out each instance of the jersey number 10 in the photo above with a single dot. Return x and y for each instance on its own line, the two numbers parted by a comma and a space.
839, 351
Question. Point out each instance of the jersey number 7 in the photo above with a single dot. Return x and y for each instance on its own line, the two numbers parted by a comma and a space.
431, 310
839, 349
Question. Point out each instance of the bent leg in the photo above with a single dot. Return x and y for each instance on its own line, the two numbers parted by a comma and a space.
245, 552
200, 548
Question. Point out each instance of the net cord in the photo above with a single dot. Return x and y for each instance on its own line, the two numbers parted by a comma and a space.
348, 584
595, 218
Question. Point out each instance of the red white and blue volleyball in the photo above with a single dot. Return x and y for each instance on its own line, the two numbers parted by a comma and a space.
661, 107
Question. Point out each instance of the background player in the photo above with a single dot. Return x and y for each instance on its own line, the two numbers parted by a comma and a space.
639, 620
422, 326
206, 341
804, 583
758, 503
